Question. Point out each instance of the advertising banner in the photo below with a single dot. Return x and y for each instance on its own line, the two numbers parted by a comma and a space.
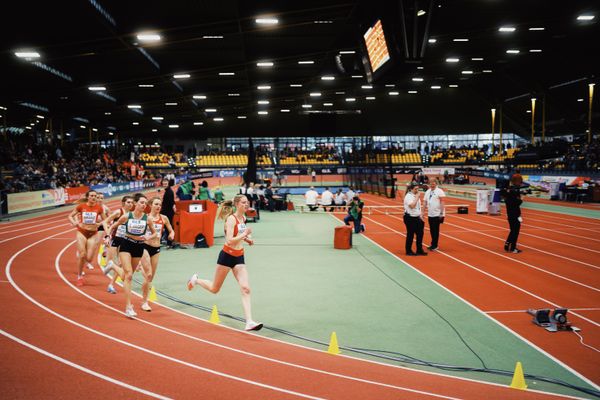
114, 189
27, 201
75, 193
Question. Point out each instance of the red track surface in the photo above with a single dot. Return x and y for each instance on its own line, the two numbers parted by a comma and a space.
93, 351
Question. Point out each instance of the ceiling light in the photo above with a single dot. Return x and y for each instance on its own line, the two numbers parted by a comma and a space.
181, 76
264, 64
327, 104
263, 87
487, 71
39, 116
198, 123
263, 102
241, 117
134, 106
154, 130
267, 21
263, 113
340, 92
226, 73
467, 72
210, 110
285, 110
95, 129
432, 40
28, 127
173, 126
107, 113
476, 58
435, 87
393, 93
199, 96
148, 37
507, 29
233, 94
170, 104
158, 118
306, 106
390, 85
585, 17
350, 99
513, 51
452, 60
420, 13
537, 29
453, 86
295, 85
535, 50
528, 111
146, 86
323, 22
81, 126
366, 87
111, 133
580, 100
218, 119
328, 78
135, 123
212, 37
306, 62
417, 79
347, 52
356, 76
27, 54
370, 97
96, 88
315, 94
460, 40
412, 92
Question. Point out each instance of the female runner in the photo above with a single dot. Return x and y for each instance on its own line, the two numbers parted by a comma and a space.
131, 249
114, 239
231, 257
86, 217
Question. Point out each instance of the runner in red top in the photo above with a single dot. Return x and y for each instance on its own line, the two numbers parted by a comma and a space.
231, 257
87, 216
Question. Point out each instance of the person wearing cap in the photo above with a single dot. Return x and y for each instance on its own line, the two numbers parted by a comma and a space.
413, 219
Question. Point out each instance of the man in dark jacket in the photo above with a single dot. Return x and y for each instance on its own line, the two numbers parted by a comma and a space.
168, 205
512, 199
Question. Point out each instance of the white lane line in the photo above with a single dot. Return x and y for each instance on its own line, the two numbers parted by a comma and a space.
39, 223
34, 232
208, 342
512, 259
570, 259
109, 337
83, 369
521, 311
559, 362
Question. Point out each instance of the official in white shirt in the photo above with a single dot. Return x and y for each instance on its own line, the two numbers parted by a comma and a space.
327, 199
434, 201
413, 219
311, 197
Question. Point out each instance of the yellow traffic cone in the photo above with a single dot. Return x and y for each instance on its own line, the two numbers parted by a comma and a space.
152, 295
333, 345
214, 316
518, 380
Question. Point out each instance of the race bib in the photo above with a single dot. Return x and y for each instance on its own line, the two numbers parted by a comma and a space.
120, 231
241, 228
136, 226
158, 228
89, 217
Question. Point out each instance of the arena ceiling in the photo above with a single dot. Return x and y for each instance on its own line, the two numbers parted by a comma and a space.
216, 60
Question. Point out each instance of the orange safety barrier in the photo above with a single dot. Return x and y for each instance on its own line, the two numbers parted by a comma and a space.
342, 238
188, 225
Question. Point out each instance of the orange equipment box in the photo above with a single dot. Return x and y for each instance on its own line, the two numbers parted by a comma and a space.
343, 237
194, 217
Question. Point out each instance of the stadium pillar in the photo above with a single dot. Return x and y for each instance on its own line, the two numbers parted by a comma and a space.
532, 119
493, 126
591, 98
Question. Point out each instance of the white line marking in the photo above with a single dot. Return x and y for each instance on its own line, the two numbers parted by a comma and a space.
521, 311
82, 368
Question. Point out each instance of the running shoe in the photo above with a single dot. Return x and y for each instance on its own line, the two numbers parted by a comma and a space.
80, 281
517, 251
146, 307
192, 282
253, 326
111, 289
108, 268
362, 227
129, 312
